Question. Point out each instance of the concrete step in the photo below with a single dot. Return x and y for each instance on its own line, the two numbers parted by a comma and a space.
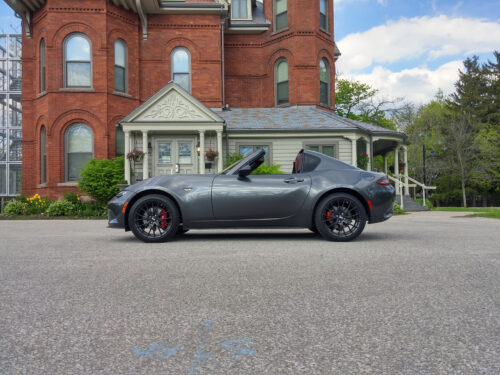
410, 205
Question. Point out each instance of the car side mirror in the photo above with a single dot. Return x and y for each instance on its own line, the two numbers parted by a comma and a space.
245, 171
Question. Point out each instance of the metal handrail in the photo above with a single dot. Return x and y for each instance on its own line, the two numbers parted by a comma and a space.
401, 184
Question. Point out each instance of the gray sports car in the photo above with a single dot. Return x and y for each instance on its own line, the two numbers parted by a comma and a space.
322, 193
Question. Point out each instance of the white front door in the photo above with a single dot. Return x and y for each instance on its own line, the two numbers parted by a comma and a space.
174, 156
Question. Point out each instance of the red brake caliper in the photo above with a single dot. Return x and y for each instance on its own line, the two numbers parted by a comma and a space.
329, 215
163, 219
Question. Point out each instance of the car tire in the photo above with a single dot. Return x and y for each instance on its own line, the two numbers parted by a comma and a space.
340, 217
154, 218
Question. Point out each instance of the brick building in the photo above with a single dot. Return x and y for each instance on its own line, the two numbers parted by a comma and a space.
174, 78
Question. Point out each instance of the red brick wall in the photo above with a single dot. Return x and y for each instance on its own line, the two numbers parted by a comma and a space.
249, 71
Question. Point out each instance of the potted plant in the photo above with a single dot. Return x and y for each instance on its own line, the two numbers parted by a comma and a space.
134, 156
210, 154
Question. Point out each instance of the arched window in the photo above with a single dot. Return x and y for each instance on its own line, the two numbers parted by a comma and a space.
43, 155
79, 149
42, 66
280, 14
324, 82
281, 81
120, 65
323, 14
119, 141
77, 61
181, 68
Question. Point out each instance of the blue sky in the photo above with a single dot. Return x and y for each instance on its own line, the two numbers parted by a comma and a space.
413, 48
404, 48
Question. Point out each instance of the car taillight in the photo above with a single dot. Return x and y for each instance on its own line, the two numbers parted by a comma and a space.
384, 182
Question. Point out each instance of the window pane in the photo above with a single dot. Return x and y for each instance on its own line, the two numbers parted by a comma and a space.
185, 153
329, 150
324, 92
42, 65
15, 47
3, 110
120, 53
182, 80
282, 71
322, 21
313, 148
324, 73
15, 110
283, 92
246, 150
280, 6
14, 179
3, 179
239, 9
78, 74
76, 162
3, 76
79, 138
3, 46
281, 21
3, 145
77, 49
120, 141
181, 61
15, 146
43, 159
164, 153
15, 74
119, 79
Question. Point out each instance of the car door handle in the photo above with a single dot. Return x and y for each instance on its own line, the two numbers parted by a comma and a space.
293, 180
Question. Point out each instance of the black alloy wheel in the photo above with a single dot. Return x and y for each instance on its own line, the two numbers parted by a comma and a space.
154, 218
340, 217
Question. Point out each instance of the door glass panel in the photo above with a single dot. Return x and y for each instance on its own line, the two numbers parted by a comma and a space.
14, 179
184, 153
165, 153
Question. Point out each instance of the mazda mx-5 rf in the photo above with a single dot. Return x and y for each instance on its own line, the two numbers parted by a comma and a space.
322, 193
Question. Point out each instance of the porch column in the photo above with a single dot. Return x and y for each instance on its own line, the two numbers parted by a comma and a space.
202, 152
127, 150
145, 161
368, 151
385, 163
396, 166
354, 150
219, 150
407, 188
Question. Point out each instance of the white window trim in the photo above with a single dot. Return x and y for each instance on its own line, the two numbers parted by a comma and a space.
275, 29
190, 72
276, 64
66, 144
327, 63
65, 77
249, 12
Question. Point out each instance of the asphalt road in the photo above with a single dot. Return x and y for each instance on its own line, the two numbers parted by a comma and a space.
419, 294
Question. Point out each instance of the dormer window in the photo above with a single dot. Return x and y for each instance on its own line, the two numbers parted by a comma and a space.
241, 10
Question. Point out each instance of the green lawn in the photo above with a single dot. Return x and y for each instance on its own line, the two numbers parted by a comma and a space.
493, 213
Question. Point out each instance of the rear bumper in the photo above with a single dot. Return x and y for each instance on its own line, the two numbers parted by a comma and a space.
383, 206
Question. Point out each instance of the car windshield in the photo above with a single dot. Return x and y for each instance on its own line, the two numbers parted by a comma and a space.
227, 169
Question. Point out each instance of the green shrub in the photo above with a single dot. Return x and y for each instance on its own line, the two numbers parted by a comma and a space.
397, 209
21, 198
100, 178
427, 202
72, 197
37, 205
233, 158
61, 208
15, 208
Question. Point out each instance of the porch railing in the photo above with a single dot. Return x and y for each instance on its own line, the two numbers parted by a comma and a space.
400, 184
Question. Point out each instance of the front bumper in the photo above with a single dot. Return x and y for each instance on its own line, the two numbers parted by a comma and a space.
116, 217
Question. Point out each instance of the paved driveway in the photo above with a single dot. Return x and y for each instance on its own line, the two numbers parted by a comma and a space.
419, 294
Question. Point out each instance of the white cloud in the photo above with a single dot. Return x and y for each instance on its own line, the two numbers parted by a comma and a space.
417, 85
416, 38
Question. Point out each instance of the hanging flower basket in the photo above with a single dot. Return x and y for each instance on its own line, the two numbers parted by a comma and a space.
363, 161
135, 155
210, 154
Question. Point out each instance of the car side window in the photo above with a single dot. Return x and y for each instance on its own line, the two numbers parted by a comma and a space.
297, 165
309, 163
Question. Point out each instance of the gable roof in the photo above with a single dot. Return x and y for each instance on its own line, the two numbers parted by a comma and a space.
172, 104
